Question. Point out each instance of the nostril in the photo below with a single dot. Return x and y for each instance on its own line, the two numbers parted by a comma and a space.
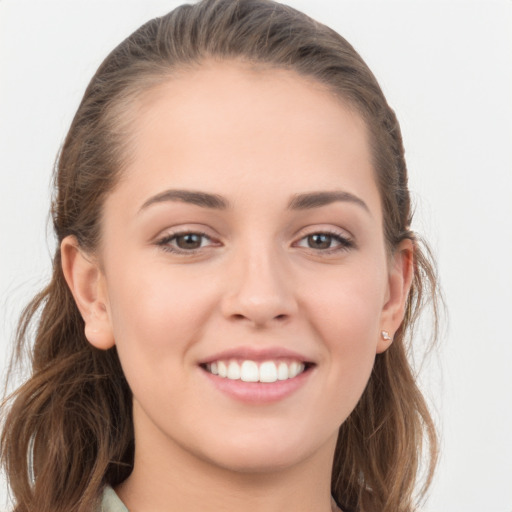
239, 316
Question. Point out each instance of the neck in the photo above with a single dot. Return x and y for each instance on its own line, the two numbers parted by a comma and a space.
172, 479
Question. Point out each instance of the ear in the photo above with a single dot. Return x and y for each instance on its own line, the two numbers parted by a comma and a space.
401, 271
87, 284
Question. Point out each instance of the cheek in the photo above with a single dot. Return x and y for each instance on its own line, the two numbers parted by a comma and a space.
156, 316
158, 311
345, 311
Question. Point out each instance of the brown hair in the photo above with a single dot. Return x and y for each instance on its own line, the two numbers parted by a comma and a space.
68, 431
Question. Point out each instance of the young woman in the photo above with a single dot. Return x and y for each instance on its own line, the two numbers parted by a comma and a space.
226, 326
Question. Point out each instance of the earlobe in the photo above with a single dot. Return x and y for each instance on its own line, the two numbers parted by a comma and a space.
86, 282
400, 277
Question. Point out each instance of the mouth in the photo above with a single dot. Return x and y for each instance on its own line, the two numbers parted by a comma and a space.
248, 370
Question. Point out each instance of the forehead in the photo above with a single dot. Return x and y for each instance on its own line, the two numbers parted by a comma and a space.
223, 125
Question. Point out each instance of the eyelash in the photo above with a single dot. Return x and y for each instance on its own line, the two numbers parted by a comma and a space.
165, 242
343, 243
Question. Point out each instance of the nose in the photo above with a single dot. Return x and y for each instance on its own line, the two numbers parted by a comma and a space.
259, 289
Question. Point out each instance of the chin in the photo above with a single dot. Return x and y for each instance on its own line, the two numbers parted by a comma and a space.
257, 462
263, 453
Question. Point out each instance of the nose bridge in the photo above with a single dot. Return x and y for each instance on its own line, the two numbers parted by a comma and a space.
260, 289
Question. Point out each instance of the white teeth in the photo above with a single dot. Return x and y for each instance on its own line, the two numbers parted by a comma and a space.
233, 370
222, 368
251, 371
282, 371
294, 370
268, 372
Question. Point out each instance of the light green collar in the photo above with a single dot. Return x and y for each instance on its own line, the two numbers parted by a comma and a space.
111, 502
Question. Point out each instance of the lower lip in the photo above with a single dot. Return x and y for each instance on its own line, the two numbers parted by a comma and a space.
258, 392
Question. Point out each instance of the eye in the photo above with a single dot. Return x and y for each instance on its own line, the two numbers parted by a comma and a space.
325, 241
186, 242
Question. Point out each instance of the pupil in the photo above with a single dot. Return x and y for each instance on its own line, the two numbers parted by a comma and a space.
189, 241
319, 241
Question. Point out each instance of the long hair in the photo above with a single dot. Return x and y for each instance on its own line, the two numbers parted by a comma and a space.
68, 430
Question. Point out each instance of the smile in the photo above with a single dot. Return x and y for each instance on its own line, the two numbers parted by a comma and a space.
252, 371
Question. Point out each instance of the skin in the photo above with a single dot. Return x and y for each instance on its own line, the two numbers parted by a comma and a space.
257, 138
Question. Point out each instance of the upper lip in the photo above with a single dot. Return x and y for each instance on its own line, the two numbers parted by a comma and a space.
259, 354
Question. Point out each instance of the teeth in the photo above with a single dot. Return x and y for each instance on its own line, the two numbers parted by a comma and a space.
294, 370
233, 370
250, 371
222, 368
282, 371
268, 372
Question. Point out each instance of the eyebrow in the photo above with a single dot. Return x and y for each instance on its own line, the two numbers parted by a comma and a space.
318, 199
202, 199
305, 201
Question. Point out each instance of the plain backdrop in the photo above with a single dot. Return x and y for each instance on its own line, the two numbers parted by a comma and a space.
446, 68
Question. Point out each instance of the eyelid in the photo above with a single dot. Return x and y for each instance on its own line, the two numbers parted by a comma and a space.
346, 240
163, 240
324, 228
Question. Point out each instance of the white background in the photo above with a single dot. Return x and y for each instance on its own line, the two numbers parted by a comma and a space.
446, 67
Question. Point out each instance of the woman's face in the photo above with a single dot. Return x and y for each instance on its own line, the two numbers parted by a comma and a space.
243, 271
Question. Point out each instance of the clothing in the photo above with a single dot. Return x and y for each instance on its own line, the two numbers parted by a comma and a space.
110, 501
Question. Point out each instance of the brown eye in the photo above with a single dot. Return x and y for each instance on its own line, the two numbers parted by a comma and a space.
319, 241
325, 242
186, 242
189, 241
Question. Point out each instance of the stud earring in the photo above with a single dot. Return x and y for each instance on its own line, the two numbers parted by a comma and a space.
385, 336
